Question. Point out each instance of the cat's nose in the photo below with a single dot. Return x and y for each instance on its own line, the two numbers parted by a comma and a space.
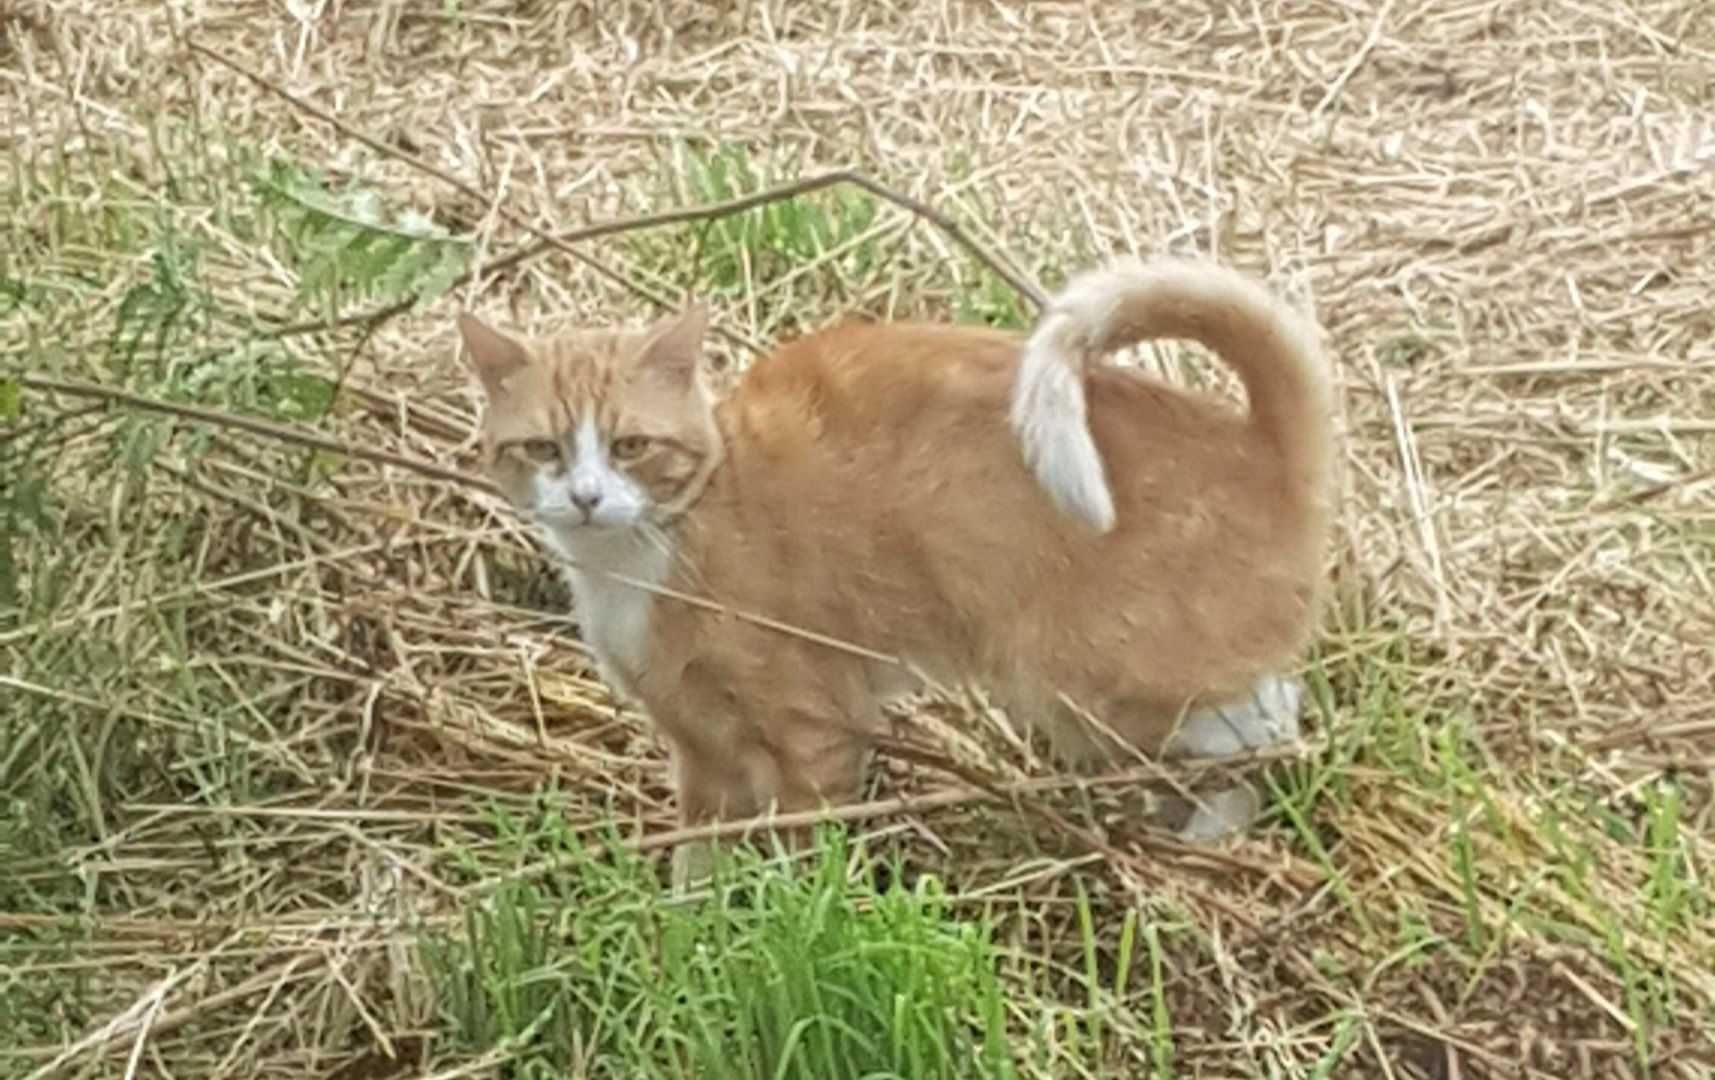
585, 492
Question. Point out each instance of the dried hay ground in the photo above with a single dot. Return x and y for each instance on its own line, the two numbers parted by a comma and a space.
254, 695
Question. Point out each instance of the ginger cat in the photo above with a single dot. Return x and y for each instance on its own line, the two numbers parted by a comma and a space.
1008, 512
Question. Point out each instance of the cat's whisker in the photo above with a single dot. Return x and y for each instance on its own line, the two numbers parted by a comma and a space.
658, 537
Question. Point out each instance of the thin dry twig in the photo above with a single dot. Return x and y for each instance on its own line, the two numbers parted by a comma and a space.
563, 242
976, 788
256, 426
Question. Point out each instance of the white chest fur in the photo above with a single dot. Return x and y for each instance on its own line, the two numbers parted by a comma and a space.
613, 614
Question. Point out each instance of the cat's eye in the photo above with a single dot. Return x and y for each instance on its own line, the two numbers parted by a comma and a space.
630, 447
541, 451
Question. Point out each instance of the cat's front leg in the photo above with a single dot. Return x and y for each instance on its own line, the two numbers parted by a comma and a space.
709, 789
801, 762
817, 761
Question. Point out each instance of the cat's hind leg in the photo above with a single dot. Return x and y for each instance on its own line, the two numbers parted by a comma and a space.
1268, 717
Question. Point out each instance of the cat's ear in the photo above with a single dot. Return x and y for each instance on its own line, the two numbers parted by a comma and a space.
673, 347
493, 355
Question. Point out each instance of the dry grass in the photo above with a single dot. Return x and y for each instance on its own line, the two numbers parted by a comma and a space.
256, 698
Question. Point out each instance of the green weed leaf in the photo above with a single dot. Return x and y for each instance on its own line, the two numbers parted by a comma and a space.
345, 246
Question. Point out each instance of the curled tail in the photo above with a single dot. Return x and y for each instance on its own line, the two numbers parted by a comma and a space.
1273, 348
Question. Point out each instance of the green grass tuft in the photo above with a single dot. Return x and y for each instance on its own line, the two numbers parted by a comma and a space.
769, 975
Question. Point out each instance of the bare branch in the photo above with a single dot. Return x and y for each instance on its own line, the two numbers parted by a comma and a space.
255, 426
546, 241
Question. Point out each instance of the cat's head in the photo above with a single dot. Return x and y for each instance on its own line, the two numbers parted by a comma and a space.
594, 430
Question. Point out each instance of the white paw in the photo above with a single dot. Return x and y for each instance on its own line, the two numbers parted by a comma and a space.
693, 863
1221, 813
1269, 717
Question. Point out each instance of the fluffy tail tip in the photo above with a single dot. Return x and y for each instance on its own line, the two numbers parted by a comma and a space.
1048, 415
1070, 470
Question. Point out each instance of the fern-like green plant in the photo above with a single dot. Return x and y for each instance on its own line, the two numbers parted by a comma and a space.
169, 308
761, 251
776, 238
346, 247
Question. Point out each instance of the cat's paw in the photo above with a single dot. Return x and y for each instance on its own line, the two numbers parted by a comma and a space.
693, 864
1268, 717
1216, 814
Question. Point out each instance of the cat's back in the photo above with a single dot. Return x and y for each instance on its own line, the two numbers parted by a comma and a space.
873, 384
863, 466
